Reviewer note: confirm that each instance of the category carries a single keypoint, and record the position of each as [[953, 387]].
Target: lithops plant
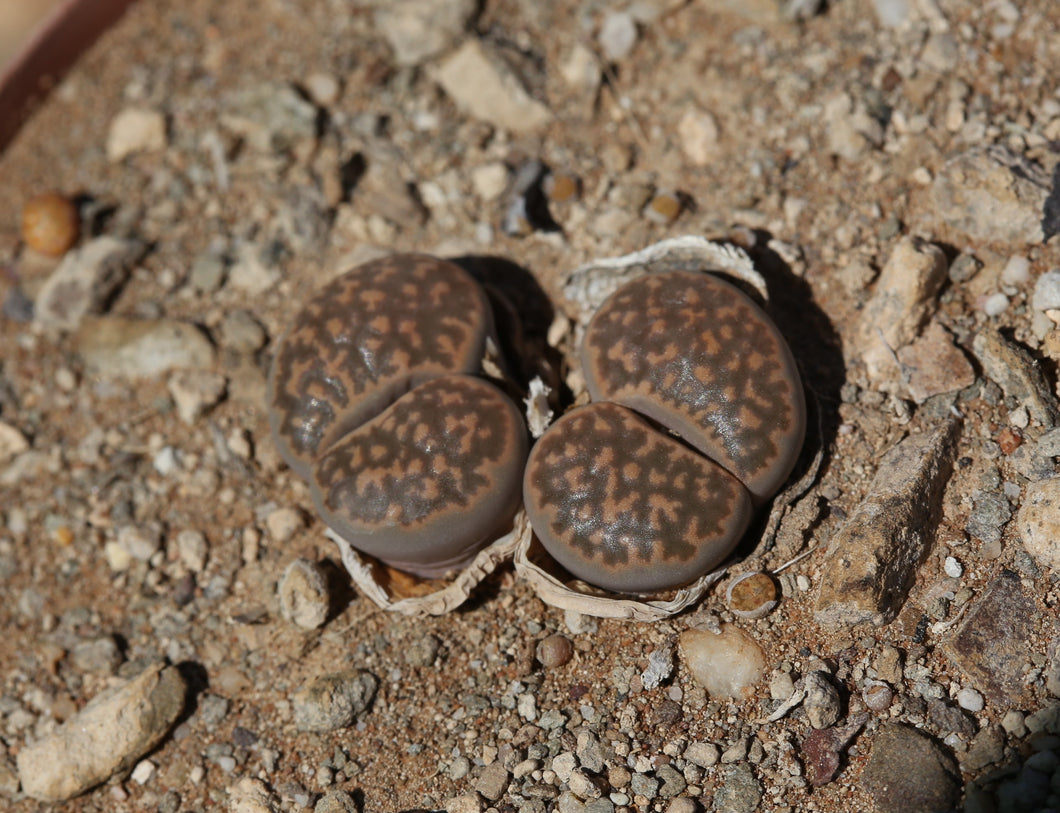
[[374, 399], [698, 418]]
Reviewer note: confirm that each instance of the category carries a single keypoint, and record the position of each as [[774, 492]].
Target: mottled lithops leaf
[[366, 338], [626, 507], [431, 479], [700, 357]]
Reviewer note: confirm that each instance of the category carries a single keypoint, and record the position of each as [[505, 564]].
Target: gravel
[[146, 518]]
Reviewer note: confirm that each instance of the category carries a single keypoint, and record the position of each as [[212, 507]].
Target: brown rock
[[823, 747], [871, 563], [933, 364], [992, 642], [1011, 367], [908, 772], [988, 194], [902, 303], [107, 736]]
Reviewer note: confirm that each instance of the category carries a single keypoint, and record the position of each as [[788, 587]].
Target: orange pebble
[[50, 224]]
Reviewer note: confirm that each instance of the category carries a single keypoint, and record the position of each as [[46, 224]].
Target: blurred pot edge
[[63, 36]]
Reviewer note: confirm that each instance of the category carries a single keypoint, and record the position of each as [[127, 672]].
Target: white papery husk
[[454, 590], [586, 288]]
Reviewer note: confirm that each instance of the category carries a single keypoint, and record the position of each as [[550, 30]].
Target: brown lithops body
[[696, 354], [364, 339], [424, 484], [408, 457], [622, 504], [626, 507]]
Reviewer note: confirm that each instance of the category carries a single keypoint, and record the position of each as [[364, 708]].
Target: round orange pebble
[[50, 224]]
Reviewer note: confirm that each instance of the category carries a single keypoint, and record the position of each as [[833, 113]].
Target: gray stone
[[582, 785], [644, 785], [336, 801], [107, 736], [1039, 522], [703, 754], [618, 35], [417, 30], [493, 781], [241, 332], [891, 13], [673, 783], [252, 272], [101, 656], [465, 803], [660, 667], [993, 641], [1047, 291], [904, 299], [480, 84], [948, 719], [304, 597], [908, 771], [987, 748], [989, 514], [194, 392], [739, 791], [121, 347], [822, 704], [333, 701], [250, 795], [270, 117], [84, 282], [1012, 367], [988, 195], [422, 651], [871, 563], [207, 273]]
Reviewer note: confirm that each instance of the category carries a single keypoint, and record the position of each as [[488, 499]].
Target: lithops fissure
[[696, 354], [621, 503], [424, 484], [626, 507], [409, 458], [364, 339]]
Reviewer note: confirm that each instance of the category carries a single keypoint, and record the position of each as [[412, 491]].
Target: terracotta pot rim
[[66, 33]]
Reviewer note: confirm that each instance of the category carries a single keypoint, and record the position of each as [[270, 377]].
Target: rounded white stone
[[970, 700], [953, 568]]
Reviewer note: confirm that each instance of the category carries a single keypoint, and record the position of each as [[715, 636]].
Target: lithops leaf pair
[[697, 419], [375, 400]]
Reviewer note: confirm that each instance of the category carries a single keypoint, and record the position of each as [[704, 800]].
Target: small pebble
[[336, 801], [953, 568], [283, 523], [970, 700], [135, 130], [333, 701], [143, 772], [323, 88], [554, 651], [422, 651], [1016, 271], [304, 597], [561, 187], [878, 696], [752, 595], [995, 304], [664, 207], [618, 35], [50, 224]]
